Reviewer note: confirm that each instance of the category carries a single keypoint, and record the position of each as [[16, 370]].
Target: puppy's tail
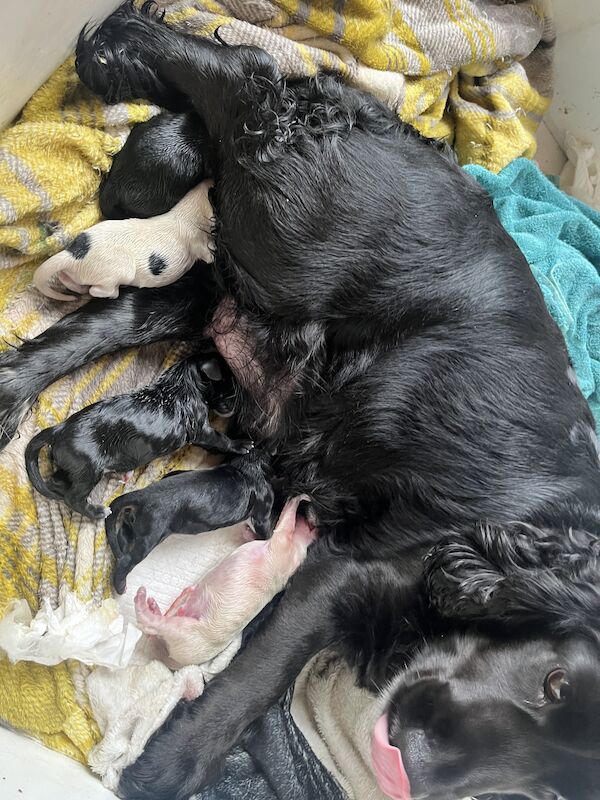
[[32, 454], [48, 270]]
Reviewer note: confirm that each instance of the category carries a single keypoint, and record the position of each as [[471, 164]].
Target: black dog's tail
[[32, 454]]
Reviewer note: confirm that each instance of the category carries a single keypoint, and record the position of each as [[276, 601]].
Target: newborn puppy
[[125, 432], [188, 502], [160, 162], [133, 252], [206, 617]]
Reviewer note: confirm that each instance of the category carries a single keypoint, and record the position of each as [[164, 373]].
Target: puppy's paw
[[97, 512], [242, 446]]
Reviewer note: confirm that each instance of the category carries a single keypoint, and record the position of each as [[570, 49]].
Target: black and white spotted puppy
[[133, 252], [122, 433]]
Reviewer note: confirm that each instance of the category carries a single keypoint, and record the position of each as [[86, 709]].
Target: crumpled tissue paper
[[94, 635]]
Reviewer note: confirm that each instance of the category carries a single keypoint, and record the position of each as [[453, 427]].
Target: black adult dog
[[392, 345]]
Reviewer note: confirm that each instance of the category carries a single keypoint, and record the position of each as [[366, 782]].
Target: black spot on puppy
[[80, 246], [156, 264]]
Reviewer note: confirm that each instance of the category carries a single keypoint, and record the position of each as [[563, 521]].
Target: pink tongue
[[387, 764]]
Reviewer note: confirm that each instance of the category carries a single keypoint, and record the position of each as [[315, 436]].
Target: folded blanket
[[560, 237], [474, 73]]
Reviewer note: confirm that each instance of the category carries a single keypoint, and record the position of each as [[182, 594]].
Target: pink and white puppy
[[205, 618], [133, 252]]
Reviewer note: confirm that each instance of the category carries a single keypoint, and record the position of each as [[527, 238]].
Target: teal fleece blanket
[[560, 238]]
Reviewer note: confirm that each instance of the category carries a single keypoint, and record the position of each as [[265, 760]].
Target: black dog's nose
[[425, 705]]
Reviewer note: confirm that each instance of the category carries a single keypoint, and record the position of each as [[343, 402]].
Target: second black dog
[[125, 432], [188, 502]]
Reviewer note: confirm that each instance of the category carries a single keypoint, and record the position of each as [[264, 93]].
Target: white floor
[[29, 771]]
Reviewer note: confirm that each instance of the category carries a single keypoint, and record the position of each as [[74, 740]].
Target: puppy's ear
[[518, 575], [212, 369]]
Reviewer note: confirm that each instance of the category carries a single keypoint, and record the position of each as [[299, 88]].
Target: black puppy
[[188, 502], [125, 432], [171, 153]]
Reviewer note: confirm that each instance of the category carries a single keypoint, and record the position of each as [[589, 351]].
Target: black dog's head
[[513, 709], [474, 715]]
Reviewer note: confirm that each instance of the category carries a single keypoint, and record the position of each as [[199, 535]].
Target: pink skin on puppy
[[205, 618]]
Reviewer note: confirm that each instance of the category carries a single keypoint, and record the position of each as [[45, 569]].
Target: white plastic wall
[[576, 105], [35, 37], [29, 771]]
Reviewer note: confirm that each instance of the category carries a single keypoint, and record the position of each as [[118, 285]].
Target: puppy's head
[[159, 163], [221, 390]]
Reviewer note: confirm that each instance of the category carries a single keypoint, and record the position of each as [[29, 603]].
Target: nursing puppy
[[207, 616], [188, 502], [133, 252], [171, 153], [123, 433]]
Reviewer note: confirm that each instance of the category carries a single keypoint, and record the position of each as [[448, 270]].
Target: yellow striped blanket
[[473, 72]]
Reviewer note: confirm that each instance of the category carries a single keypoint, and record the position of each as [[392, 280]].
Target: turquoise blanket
[[560, 238]]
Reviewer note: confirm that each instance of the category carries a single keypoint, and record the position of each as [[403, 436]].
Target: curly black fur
[[519, 575], [395, 352]]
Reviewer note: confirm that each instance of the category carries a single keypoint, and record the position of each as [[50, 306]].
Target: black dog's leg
[[79, 502], [134, 55], [137, 317], [187, 750]]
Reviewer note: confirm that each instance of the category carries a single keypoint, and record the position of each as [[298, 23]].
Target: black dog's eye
[[556, 686]]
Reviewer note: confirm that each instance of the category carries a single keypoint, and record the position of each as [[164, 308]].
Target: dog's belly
[[229, 331], [235, 341]]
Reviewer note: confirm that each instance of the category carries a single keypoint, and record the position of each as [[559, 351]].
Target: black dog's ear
[[518, 575]]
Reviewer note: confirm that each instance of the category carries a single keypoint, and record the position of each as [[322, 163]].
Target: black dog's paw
[[117, 60], [172, 767], [16, 396]]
